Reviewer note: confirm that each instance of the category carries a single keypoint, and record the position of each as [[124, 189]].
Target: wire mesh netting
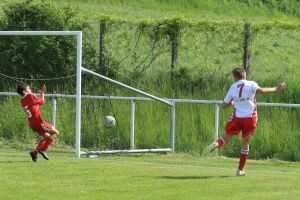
[[275, 52]]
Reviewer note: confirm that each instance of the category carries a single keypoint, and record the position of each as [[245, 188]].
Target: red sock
[[220, 142], [243, 158], [40, 146], [49, 141]]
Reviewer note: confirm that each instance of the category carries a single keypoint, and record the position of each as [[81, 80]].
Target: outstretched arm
[[42, 95], [280, 86], [227, 101], [226, 105]]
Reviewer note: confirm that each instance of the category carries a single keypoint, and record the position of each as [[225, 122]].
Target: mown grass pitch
[[172, 176]]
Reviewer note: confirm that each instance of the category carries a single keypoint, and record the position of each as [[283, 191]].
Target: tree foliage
[[40, 56]]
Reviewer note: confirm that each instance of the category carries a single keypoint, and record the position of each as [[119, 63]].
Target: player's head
[[239, 73], [23, 89]]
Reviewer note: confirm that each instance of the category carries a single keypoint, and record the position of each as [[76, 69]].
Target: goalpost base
[[127, 151]]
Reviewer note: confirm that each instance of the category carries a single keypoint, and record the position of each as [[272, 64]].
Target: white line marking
[[164, 165], [15, 154], [198, 166]]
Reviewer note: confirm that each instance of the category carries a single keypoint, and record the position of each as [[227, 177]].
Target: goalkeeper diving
[[30, 103]]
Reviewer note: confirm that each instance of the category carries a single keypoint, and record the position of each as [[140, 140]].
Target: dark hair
[[239, 73], [21, 88]]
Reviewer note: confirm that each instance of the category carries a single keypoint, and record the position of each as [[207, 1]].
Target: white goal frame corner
[[78, 35]]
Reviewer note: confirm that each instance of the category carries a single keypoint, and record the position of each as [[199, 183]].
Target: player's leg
[[42, 143], [249, 126], [53, 134], [233, 127], [36, 127], [243, 155], [225, 139], [40, 146], [51, 139], [217, 144], [49, 133]]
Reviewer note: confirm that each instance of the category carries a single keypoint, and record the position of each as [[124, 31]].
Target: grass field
[[172, 176]]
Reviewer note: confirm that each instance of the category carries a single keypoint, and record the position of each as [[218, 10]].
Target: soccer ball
[[109, 121]]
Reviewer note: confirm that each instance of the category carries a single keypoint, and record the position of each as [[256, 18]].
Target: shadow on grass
[[190, 177]]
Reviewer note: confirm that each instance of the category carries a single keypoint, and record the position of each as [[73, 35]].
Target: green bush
[[41, 56]]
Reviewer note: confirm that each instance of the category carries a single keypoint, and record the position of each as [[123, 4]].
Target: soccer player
[[242, 95], [31, 104]]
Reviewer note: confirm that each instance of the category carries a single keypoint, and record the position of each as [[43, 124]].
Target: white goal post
[[79, 71], [78, 35]]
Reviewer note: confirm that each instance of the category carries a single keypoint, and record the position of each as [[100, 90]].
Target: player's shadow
[[190, 177]]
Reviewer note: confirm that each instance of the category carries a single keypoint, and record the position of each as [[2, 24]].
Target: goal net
[[78, 100]]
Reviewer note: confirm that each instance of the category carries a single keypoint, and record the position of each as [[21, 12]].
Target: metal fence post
[[102, 49], [174, 52], [217, 113], [246, 56], [54, 111], [172, 127], [132, 111]]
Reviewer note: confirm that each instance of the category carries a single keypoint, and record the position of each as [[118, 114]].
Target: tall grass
[[277, 134], [194, 9]]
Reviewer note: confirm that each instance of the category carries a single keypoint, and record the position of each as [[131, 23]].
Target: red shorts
[[42, 128], [236, 125]]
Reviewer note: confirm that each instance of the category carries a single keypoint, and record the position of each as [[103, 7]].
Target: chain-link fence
[[198, 55], [196, 62]]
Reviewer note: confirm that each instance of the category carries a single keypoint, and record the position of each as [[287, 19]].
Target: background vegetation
[[254, 10], [138, 52]]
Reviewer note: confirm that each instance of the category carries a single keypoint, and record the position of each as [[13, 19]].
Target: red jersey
[[30, 104]]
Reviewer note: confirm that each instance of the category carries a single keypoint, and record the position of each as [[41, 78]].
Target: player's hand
[[280, 86], [43, 90]]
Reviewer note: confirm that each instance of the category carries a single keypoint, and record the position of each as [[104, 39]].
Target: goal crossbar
[[29, 33]]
